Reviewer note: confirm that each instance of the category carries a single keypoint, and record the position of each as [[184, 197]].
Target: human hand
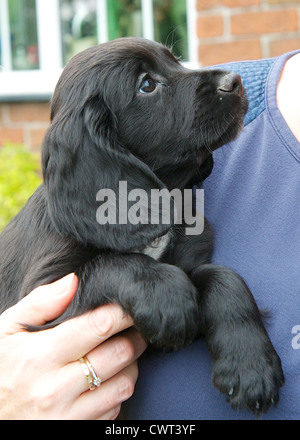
[[40, 375]]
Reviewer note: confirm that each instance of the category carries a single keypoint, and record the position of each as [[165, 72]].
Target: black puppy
[[128, 111]]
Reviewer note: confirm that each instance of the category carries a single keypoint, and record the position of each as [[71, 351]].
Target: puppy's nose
[[231, 83]]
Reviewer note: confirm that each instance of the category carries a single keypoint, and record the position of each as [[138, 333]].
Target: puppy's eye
[[148, 85]]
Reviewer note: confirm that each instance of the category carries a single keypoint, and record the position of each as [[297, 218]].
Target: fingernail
[[65, 283]]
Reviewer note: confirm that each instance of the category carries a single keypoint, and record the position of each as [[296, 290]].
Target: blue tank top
[[252, 200]]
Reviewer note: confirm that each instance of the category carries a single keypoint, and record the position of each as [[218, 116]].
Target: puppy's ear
[[83, 165]]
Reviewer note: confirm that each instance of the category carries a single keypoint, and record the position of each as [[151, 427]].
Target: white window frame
[[39, 84]]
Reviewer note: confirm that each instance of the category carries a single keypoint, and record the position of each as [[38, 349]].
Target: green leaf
[[20, 175]]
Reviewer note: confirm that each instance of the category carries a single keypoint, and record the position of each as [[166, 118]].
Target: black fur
[[104, 130]]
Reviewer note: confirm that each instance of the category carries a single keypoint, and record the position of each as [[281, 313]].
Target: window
[[79, 27], [38, 37], [162, 20], [23, 34], [19, 35], [170, 25], [124, 18]]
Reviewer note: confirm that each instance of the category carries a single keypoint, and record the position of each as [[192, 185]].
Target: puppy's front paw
[[250, 375], [167, 316]]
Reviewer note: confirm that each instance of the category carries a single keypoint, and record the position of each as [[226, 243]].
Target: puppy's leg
[[245, 365], [159, 297]]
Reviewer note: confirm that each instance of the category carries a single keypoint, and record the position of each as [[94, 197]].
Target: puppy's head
[[128, 111]]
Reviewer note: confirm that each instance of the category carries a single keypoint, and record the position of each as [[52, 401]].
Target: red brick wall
[[227, 30], [24, 123], [230, 30]]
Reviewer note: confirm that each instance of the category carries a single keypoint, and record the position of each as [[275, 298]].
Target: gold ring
[[92, 379]]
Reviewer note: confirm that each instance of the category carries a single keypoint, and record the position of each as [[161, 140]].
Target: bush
[[20, 175]]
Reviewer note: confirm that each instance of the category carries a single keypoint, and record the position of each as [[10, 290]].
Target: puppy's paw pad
[[252, 384]]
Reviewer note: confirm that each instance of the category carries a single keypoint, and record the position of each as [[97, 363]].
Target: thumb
[[41, 305]]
